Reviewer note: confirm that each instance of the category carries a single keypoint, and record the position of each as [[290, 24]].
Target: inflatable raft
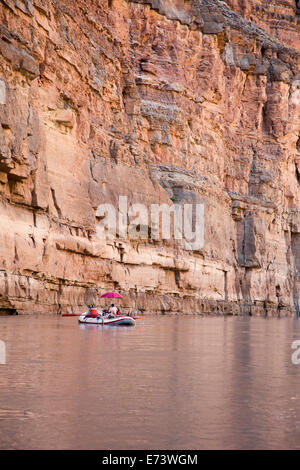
[[105, 320]]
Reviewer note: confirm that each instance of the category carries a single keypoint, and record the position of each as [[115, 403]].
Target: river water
[[170, 382]]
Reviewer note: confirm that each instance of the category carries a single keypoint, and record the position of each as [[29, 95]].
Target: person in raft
[[113, 310]]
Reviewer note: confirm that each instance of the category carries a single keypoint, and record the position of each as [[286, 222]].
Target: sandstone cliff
[[159, 101]]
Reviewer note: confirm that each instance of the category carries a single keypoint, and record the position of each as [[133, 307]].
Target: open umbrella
[[111, 295]]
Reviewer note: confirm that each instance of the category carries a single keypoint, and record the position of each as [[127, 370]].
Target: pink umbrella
[[111, 295]]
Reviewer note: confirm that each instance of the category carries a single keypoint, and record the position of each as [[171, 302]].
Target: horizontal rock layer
[[162, 102]]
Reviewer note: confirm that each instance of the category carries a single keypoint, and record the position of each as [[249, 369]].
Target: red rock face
[[159, 101], [279, 18]]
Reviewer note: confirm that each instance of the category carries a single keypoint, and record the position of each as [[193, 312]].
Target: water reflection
[[170, 382]]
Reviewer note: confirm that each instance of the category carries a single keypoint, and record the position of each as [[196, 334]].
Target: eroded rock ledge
[[159, 101]]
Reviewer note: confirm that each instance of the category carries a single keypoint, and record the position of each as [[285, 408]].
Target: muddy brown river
[[182, 382]]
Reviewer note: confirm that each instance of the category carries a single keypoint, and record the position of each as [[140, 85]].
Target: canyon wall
[[162, 102], [278, 18]]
